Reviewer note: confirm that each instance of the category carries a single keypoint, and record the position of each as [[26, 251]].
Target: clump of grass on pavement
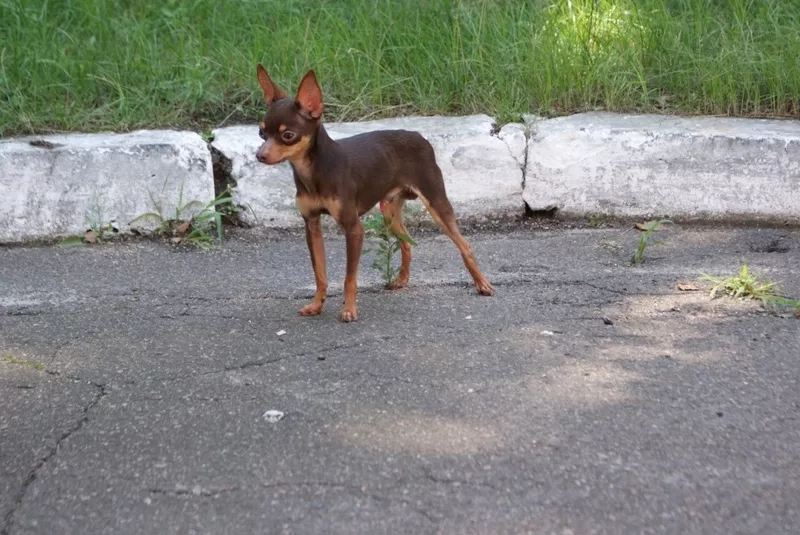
[[746, 285]]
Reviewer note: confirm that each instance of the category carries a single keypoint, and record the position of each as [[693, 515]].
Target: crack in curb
[[528, 136], [523, 166], [8, 521]]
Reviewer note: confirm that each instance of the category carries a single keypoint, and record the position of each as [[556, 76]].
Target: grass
[[386, 246], [644, 239], [192, 222], [119, 64], [11, 359], [98, 228], [746, 285]]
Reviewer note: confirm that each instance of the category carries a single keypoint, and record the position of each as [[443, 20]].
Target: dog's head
[[290, 124]]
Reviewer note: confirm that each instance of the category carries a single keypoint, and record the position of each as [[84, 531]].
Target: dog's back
[[386, 159]]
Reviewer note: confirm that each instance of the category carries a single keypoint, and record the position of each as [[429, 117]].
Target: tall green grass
[[97, 64]]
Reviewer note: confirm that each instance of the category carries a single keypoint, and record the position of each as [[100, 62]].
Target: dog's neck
[[305, 167]]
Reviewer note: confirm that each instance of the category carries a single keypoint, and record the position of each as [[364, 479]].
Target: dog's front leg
[[316, 246], [354, 237]]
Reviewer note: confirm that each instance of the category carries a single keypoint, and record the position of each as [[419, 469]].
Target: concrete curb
[[62, 185], [700, 168], [593, 163]]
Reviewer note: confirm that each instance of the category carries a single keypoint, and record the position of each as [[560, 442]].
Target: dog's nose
[[261, 157]]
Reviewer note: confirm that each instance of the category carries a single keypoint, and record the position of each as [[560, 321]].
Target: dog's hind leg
[[431, 192], [393, 214]]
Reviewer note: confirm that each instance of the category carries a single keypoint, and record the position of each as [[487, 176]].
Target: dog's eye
[[288, 136], [261, 133]]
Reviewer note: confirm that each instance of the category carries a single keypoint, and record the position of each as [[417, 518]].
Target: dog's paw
[[485, 288], [348, 315], [314, 309], [399, 282]]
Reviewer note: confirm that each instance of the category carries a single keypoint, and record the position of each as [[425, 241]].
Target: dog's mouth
[[267, 161]]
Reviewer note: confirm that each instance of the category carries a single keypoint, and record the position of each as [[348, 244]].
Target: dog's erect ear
[[309, 95], [271, 91]]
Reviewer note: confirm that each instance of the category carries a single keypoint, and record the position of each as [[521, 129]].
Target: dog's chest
[[314, 205]]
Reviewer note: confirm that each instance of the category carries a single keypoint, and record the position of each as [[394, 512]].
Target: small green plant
[[166, 222], [10, 359], [95, 220], [783, 303], [745, 285], [375, 228], [98, 228], [198, 229], [71, 241], [647, 231]]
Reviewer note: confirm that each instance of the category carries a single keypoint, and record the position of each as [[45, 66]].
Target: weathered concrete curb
[[482, 172], [58, 185], [651, 165], [592, 163]]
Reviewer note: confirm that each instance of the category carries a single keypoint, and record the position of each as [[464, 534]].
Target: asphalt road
[[586, 396]]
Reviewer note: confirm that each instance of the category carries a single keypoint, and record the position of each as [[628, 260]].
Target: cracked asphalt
[[586, 396]]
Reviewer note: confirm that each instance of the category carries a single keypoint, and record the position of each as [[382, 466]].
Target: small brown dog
[[347, 178]]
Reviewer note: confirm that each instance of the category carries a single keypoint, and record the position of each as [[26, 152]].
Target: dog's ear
[[309, 95], [271, 91]]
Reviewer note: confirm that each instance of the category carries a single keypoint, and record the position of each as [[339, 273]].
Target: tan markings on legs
[[444, 217], [316, 247], [394, 218], [354, 238]]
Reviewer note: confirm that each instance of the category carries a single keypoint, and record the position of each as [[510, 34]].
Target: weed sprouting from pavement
[[376, 228], [746, 285], [202, 229], [98, 230], [647, 232], [781, 302]]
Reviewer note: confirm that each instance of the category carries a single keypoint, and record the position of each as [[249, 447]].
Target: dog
[[348, 177]]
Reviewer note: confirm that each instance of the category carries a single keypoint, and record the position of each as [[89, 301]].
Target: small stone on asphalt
[[273, 416]]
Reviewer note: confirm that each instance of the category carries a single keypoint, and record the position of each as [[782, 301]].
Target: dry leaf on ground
[[182, 229], [687, 287]]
